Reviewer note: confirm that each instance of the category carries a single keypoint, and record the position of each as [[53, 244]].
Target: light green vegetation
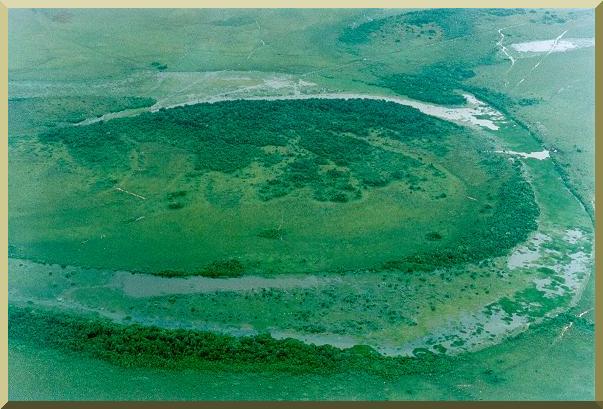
[[343, 249]]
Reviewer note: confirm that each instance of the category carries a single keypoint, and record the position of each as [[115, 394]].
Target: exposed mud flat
[[524, 255], [494, 323], [336, 340], [468, 332], [573, 236], [546, 46], [542, 155]]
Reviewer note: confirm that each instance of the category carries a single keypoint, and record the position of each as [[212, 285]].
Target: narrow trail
[[259, 46], [504, 49], [131, 193], [555, 42], [541, 60]]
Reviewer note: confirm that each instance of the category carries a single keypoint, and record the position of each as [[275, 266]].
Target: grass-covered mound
[[266, 187]]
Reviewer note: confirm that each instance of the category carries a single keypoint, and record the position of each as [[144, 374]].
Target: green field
[[305, 204], [267, 188]]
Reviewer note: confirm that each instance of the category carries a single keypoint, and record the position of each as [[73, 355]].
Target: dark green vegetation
[[321, 146], [136, 346], [41, 113], [252, 170], [549, 17], [152, 347], [514, 218], [157, 65], [441, 83], [505, 371], [446, 23], [475, 33], [222, 268], [438, 83]]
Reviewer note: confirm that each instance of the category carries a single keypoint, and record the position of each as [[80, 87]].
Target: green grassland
[[267, 187], [299, 249], [30, 116]]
